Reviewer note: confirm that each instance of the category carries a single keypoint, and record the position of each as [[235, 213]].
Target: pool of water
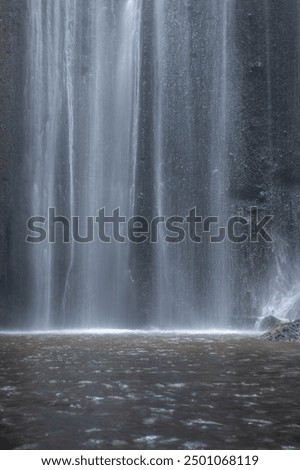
[[148, 391]]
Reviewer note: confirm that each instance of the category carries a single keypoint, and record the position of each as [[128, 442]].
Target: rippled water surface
[[148, 391]]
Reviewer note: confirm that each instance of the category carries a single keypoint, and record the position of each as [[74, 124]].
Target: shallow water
[[148, 391]]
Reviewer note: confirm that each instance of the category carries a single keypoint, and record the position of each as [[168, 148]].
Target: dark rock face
[[11, 83], [286, 332], [270, 322], [265, 169]]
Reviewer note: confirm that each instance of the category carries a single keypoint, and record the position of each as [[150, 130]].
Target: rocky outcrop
[[269, 322], [286, 332]]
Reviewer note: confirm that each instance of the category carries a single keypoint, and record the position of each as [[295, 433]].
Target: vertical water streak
[[178, 158], [161, 290], [43, 109], [220, 120], [70, 18], [137, 7], [92, 185]]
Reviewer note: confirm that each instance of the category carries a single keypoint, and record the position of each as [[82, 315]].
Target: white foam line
[[124, 332]]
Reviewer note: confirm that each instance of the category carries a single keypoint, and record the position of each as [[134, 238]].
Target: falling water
[[172, 153], [69, 70], [176, 285], [192, 284], [43, 104], [83, 103], [220, 125]]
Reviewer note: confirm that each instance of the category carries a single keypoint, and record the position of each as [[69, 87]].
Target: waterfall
[[191, 115], [168, 108], [44, 107], [220, 126], [86, 123], [82, 107], [175, 283], [68, 72]]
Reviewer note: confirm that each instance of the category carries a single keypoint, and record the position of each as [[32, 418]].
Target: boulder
[[286, 332], [270, 322]]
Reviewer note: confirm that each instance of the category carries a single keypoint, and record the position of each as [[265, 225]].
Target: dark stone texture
[[265, 164], [286, 332], [11, 84]]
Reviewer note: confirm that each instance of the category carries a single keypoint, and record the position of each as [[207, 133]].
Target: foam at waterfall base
[[124, 332]]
